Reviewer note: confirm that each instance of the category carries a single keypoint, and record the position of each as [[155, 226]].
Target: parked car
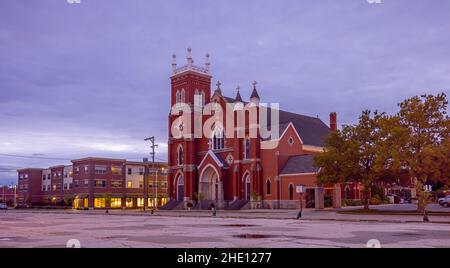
[[3, 206], [445, 201]]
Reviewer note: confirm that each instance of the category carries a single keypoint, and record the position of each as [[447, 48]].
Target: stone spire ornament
[[207, 63], [238, 97], [190, 61], [174, 62]]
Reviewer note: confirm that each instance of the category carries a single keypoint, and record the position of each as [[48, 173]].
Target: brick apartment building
[[8, 195], [94, 183]]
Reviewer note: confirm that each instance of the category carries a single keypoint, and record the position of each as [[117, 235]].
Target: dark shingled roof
[[238, 97], [312, 130], [299, 164], [254, 94]]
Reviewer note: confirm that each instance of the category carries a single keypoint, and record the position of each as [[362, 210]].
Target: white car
[[3, 206], [445, 201]]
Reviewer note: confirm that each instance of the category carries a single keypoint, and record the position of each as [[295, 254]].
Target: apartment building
[[94, 182]]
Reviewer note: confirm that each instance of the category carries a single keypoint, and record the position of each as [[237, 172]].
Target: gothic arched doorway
[[180, 187], [247, 186], [210, 184]]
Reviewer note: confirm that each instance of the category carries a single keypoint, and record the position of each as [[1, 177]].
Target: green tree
[[424, 148], [68, 199], [353, 154]]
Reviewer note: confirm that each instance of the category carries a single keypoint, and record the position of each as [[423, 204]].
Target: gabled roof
[[216, 157], [311, 130], [299, 164], [254, 94]]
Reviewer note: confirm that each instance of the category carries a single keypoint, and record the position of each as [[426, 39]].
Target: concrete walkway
[[308, 214]]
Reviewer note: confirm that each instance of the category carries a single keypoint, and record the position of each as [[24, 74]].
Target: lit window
[[116, 202], [140, 202], [100, 183], [129, 184], [129, 202], [116, 184], [99, 203], [116, 170]]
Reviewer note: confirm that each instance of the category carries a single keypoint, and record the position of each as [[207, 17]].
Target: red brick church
[[243, 172]]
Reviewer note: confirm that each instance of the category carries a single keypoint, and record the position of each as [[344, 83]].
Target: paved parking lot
[[20, 229]]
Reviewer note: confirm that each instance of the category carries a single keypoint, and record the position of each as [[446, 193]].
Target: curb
[[235, 217]]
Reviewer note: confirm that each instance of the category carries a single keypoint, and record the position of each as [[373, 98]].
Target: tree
[[424, 148], [68, 199], [353, 154]]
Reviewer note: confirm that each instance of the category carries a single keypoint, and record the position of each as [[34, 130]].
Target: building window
[[99, 202], [86, 169], [247, 148], [140, 202], [100, 183], [129, 184], [129, 202], [116, 184], [268, 190], [141, 184], [86, 183], [218, 139], [116, 202], [180, 155], [65, 186], [291, 140], [65, 174], [177, 97], [100, 169], [26, 176], [54, 187], [48, 176], [141, 171], [199, 98], [77, 170], [291, 192], [129, 171], [48, 187], [183, 96], [43, 188], [116, 170]]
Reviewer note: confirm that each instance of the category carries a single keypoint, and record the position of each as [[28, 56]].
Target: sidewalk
[[308, 214]]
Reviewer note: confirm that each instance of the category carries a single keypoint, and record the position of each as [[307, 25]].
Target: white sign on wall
[[300, 189]]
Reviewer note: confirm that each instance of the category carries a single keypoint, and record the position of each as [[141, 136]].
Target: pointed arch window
[[268, 185], [199, 96], [247, 148], [180, 155], [183, 96], [178, 97], [218, 140]]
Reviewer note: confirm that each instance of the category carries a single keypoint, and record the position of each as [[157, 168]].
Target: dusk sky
[[92, 79]]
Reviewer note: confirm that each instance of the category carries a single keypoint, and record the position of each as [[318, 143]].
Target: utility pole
[[152, 153]]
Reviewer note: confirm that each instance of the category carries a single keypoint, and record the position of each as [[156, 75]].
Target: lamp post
[[300, 190]]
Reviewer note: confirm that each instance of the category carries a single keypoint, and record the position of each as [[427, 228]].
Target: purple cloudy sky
[[92, 79]]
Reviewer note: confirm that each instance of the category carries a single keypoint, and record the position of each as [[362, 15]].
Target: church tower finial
[[190, 61], [218, 90], [207, 63], [174, 62], [255, 96]]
